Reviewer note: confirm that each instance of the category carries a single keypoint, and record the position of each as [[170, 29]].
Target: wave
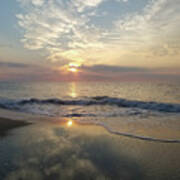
[[98, 100]]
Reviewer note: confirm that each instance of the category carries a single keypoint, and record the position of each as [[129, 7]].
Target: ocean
[[92, 130], [107, 103]]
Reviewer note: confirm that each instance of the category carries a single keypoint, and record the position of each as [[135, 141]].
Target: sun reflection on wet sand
[[69, 123], [65, 122]]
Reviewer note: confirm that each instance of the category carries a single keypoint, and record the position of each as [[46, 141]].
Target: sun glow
[[69, 123]]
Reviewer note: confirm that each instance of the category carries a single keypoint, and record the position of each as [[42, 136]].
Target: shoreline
[[7, 125]]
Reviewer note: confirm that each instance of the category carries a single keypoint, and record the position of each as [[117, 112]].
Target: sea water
[[92, 130], [117, 106]]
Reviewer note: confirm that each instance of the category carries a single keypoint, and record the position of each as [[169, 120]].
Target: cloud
[[13, 65], [82, 5], [122, 0], [112, 69], [25, 72], [156, 28], [57, 26], [31, 2], [64, 30], [10, 71]]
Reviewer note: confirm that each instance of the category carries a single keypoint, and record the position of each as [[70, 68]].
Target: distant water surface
[[144, 91]]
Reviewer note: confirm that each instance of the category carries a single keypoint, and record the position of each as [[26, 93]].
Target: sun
[[73, 67]]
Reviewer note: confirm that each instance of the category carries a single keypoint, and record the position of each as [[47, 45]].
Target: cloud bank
[[10, 71]]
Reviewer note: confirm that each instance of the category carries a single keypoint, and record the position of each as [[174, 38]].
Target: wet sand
[[58, 148], [7, 124]]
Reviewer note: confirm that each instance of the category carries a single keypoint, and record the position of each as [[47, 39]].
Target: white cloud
[[82, 5], [58, 29], [31, 2], [122, 0], [156, 27], [38, 2], [63, 29]]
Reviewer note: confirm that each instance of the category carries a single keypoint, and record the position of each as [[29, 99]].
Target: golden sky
[[135, 35]]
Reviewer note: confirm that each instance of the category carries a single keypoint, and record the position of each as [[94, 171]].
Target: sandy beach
[[58, 148], [7, 124]]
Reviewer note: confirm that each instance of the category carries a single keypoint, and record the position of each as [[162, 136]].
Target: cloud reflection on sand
[[58, 154]]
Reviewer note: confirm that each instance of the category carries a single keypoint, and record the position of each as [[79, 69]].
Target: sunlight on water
[[72, 90], [143, 91]]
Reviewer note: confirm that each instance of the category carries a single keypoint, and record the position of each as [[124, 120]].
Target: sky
[[101, 39]]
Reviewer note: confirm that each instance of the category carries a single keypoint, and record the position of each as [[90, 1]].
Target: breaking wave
[[98, 100], [82, 114]]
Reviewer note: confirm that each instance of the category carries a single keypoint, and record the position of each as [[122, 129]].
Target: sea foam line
[[144, 138]]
